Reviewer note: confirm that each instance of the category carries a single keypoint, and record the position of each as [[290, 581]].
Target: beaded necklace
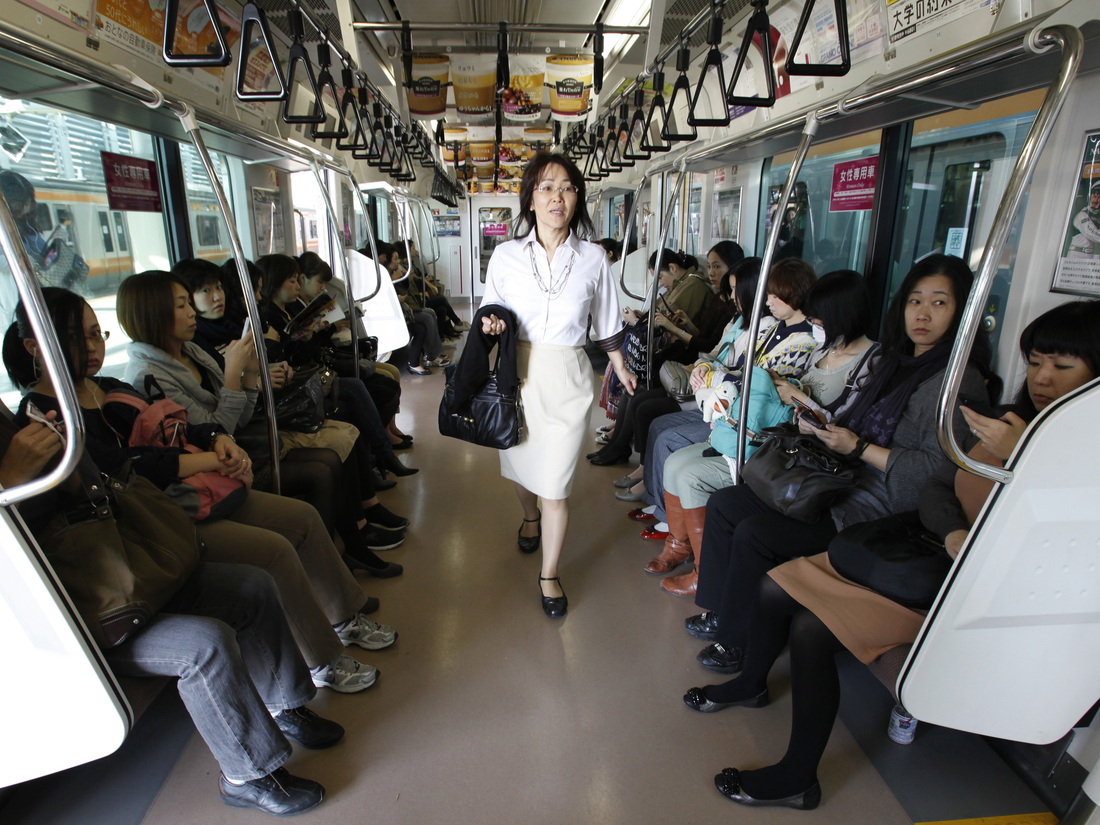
[[555, 288]]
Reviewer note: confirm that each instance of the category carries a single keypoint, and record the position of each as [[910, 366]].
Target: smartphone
[[668, 310], [979, 405]]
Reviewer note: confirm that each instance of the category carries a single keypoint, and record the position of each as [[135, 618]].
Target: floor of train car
[[489, 712]]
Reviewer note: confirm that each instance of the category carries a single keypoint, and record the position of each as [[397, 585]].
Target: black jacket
[[473, 367]]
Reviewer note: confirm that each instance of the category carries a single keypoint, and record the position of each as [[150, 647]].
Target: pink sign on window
[[854, 185], [131, 183], [496, 230]]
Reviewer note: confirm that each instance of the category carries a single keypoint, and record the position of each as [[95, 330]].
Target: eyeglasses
[[97, 336], [549, 189]]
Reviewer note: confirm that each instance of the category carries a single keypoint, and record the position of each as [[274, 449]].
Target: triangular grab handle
[[822, 69], [253, 16], [211, 59]]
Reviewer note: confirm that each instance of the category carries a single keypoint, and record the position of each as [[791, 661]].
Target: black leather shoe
[[600, 458], [279, 793], [368, 562], [696, 699], [370, 606], [554, 607], [404, 444], [717, 658], [393, 464], [703, 626], [728, 783], [529, 544], [308, 729], [382, 483]]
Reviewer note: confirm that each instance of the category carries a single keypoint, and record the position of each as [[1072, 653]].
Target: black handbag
[[894, 556], [303, 405], [489, 418], [797, 474]]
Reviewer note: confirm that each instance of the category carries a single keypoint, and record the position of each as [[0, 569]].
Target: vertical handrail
[[808, 133], [191, 126], [337, 236], [626, 240], [372, 242], [1072, 43], [655, 284], [402, 200], [53, 361]]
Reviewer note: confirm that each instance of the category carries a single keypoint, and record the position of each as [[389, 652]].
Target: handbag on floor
[[894, 556], [122, 553], [797, 474]]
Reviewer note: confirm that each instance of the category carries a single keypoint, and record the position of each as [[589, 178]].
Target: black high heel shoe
[[553, 606], [529, 544], [392, 463]]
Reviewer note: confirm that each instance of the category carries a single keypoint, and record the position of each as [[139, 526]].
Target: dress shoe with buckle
[[703, 626], [553, 606], [696, 699], [718, 658], [279, 793], [307, 728], [672, 555], [728, 783], [529, 544], [640, 514], [656, 531]]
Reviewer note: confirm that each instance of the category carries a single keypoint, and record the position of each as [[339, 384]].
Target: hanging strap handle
[[211, 59], [822, 69], [299, 55], [658, 105], [252, 16], [758, 24], [712, 65], [325, 80], [681, 86]]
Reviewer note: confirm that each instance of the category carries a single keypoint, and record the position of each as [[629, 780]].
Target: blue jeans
[[224, 635], [668, 434]]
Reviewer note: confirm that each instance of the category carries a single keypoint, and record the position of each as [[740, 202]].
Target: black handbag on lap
[[894, 556], [490, 418], [796, 474]]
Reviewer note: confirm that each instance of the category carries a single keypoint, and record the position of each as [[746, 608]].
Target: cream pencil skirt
[[556, 393]]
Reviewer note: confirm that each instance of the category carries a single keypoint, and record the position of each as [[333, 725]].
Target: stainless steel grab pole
[[191, 125], [808, 132], [626, 241], [337, 237], [1072, 44], [53, 362]]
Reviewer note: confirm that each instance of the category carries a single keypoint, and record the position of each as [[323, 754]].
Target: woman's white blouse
[[561, 320]]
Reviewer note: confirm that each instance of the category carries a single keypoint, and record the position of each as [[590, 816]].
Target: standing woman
[[553, 281]]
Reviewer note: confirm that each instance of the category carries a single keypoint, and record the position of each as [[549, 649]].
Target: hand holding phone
[[810, 415], [35, 414]]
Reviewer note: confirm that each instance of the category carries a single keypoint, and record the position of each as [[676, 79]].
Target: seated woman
[[686, 292], [889, 426], [283, 536], [226, 639], [837, 303], [155, 311], [807, 604], [424, 291], [425, 346]]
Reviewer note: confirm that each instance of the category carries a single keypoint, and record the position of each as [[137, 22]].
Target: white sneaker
[[368, 634], [345, 675], [605, 429]]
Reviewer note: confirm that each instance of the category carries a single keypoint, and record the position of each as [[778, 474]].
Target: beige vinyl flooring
[[488, 712]]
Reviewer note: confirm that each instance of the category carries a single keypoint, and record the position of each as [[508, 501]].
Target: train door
[[494, 226], [116, 268]]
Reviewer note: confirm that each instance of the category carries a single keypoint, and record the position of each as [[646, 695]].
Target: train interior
[[912, 127]]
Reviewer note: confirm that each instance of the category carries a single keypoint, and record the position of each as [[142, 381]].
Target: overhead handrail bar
[[626, 241], [49, 351], [761, 25], [177, 60], [492, 28], [712, 66], [808, 133], [680, 86], [1072, 44], [298, 55], [840, 9], [325, 80], [337, 239], [252, 16], [191, 126]]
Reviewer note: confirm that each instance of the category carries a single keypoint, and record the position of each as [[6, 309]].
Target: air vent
[[682, 12]]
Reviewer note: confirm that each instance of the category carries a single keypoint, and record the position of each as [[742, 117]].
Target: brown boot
[[676, 550], [686, 584]]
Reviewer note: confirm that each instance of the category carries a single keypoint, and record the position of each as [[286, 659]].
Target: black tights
[[815, 687]]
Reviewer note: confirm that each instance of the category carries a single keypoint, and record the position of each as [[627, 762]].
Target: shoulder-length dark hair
[[580, 223], [840, 301], [729, 252], [747, 273], [277, 270], [66, 311], [145, 307], [1069, 329]]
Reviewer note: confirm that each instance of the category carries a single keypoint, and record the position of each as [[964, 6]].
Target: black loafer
[[308, 729], [602, 459], [717, 658], [703, 626], [279, 793], [696, 699], [728, 783], [553, 606], [385, 570]]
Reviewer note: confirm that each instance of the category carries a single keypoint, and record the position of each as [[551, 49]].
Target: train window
[[827, 220], [309, 199], [726, 215], [694, 214], [209, 237]]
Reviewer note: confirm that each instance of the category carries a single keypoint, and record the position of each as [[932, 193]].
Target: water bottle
[[903, 727]]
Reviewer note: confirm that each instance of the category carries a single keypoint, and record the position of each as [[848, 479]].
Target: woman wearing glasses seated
[[553, 281]]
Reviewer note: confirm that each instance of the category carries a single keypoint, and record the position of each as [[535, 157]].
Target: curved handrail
[[191, 126], [808, 132], [1072, 43], [336, 235], [651, 293], [626, 242], [52, 360]]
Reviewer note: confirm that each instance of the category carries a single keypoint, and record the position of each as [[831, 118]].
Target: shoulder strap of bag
[[852, 376]]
